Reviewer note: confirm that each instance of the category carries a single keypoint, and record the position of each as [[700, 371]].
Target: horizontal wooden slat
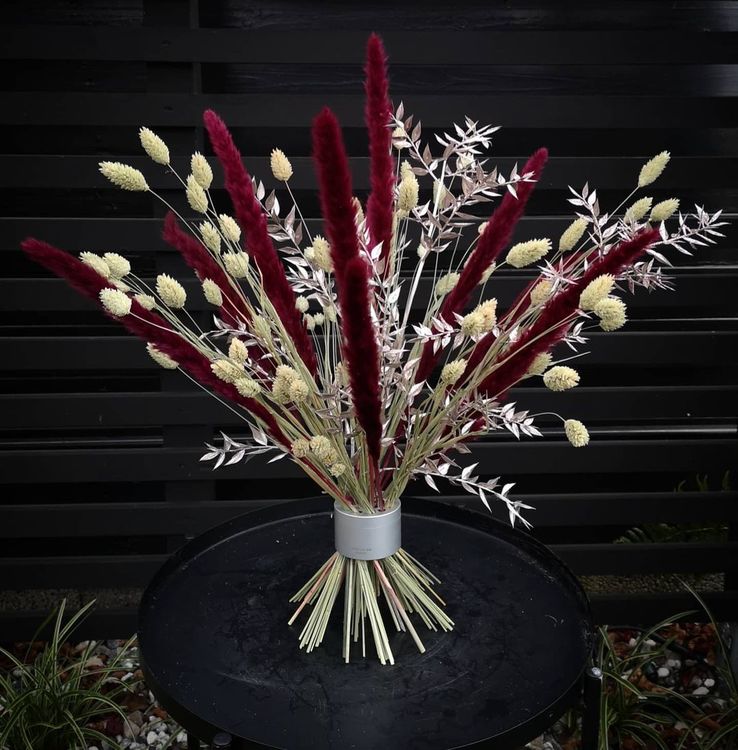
[[322, 46], [144, 235], [675, 348], [73, 410], [39, 466], [154, 518], [263, 110], [694, 288], [79, 172]]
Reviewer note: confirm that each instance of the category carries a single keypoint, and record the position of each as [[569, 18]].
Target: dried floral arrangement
[[316, 341]]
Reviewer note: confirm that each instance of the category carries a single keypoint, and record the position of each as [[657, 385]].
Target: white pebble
[[672, 662], [663, 672], [700, 691], [632, 642], [709, 682], [650, 643], [151, 738]]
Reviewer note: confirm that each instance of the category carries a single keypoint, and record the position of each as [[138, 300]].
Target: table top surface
[[219, 654]]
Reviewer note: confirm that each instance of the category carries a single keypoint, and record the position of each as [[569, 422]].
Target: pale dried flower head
[[299, 391], [540, 364], [283, 379], [653, 168], [212, 292], [302, 304], [201, 171], [226, 370], [96, 263], [319, 254], [330, 313], [261, 328], [300, 448], [453, 371], [612, 313], [398, 138], [237, 264], [238, 351], [488, 310], [248, 387], [638, 210], [487, 273], [118, 265], [309, 321], [121, 285], [405, 169], [446, 283], [662, 211], [482, 227], [541, 292], [337, 469], [196, 196], [358, 210], [123, 176], [154, 146], [115, 302], [576, 433], [229, 227], [319, 319], [422, 251], [472, 324], [280, 164], [323, 450], [572, 234], [525, 253], [210, 237], [146, 301], [161, 359], [172, 293], [342, 375], [561, 378], [407, 193], [596, 290]]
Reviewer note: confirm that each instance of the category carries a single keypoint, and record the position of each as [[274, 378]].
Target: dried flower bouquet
[[322, 345]]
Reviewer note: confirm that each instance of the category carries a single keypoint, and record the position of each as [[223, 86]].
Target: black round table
[[219, 656]]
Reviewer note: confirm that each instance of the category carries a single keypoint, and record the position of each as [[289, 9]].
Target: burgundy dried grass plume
[[555, 318], [495, 237], [254, 227], [145, 324], [377, 115], [359, 345]]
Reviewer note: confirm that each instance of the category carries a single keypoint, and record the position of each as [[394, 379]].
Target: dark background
[[99, 449]]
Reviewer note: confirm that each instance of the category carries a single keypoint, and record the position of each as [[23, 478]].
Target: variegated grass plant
[[375, 354]]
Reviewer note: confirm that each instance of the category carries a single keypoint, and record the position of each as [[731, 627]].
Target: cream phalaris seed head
[[302, 304], [576, 433], [115, 302], [247, 387], [154, 146], [322, 448], [637, 210], [319, 254], [540, 364], [261, 328], [280, 164], [238, 351], [309, 321], [319, 319], [118, 265], [212, 292], [541, 292], [453, 371], [300, 448], [662, 211], [491, 268], [210, 237], [653, 168], [596, 290], [407, 193], [124, 176], [612, 313], [237, 264], [96, 263], [226, 370], [446, 283], [202, 172], [172, 293], [229, 227], [196, 195], [161, 359], [561, 378], [146, 301], [525, 253], [572, 234]]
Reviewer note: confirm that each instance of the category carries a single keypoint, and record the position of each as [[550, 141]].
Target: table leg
[[591, 715]]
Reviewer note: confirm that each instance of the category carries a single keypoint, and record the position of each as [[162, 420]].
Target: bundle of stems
[[373, 355]]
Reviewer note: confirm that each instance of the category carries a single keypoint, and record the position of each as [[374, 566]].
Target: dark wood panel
[[688, 455], [409, 46], [509, 110]]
